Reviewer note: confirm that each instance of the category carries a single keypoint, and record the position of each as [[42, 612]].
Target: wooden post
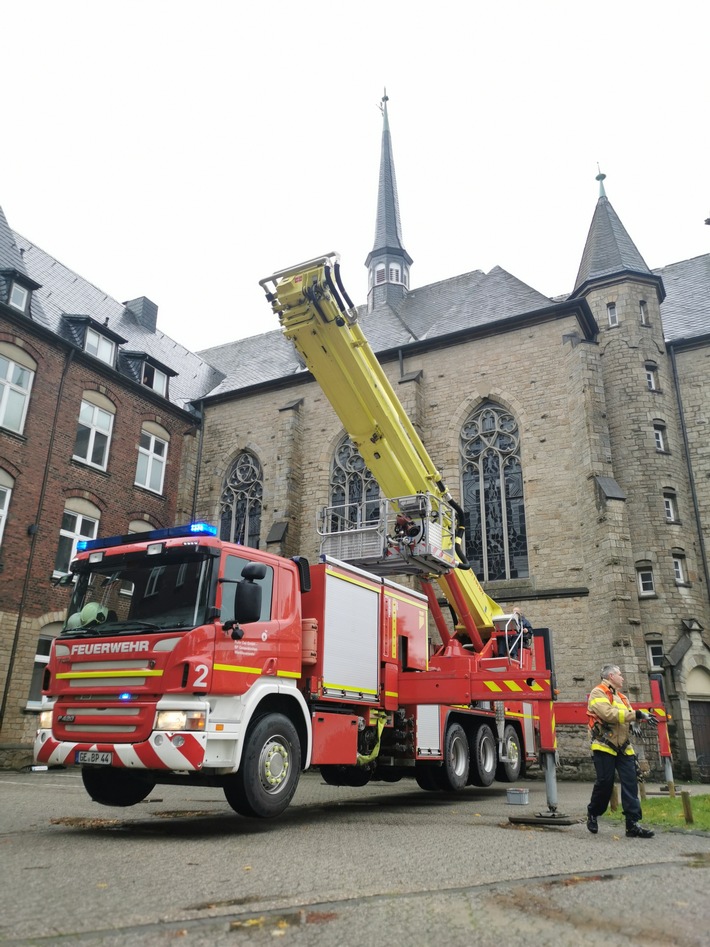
[[642, 789], [687, 808], [614, 801]]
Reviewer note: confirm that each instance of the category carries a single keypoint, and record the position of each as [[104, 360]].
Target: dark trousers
[[606, 765]]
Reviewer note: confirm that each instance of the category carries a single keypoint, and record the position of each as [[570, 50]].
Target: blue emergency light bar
[[154, 535]]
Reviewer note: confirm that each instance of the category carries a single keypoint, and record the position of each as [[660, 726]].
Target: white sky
[[184, 150]]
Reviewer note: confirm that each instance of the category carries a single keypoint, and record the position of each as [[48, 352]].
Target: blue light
[[154, 535], [125, 696]]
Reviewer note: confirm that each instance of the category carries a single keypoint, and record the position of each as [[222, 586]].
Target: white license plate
[[94, 757]]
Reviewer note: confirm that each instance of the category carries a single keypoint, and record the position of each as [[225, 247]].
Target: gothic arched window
[[492, 479], [354, 492], [240, 503]]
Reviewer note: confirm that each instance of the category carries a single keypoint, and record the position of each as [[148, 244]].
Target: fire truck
[[186, 659]]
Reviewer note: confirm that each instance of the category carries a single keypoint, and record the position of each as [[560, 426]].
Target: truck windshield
[[133, 594]]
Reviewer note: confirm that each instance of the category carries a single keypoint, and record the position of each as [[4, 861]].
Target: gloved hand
[[635, 729], [646, 717]]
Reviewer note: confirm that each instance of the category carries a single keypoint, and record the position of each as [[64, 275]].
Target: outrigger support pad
[[551, 816]]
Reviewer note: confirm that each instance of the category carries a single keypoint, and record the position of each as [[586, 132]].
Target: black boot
[[592, 823], [634, 830]]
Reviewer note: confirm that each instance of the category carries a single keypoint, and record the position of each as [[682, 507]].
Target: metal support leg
[[550, 782]]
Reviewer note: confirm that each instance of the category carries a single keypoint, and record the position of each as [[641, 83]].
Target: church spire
[[388, 262], [609, 251]]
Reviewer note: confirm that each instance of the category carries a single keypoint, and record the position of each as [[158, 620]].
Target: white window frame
[[94, 429], [154, 379], [656, 654], [151, 459], [7, 386], [659, 436], [380, 274], [16, 290], [42, 660], [680, 570], [671, 506], [645, 580], [652, 377], [395, 273], [100, 346], [612, 315], [5, 496], [643, 313], [82, 521]]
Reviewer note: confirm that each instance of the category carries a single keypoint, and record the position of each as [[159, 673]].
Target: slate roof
[[388, 225], [65, 292], [686, 309], [438, 309], [609, 249]]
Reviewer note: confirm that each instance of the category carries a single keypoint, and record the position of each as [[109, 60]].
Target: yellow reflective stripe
[[72, 675], [622, 713], [353, 580], [513, 686], [394, 694], [242, 669], [601, 700], [348, 687]]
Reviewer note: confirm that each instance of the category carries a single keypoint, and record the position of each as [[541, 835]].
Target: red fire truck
[[186, 659]]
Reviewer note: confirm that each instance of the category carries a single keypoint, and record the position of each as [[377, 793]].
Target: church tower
[[388, 262], [656, 558]]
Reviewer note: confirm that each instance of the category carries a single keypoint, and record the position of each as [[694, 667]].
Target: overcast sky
[[184, 150]]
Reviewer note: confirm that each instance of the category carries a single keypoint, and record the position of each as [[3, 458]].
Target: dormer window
[[19, 297], [153, 378], [100, 346]]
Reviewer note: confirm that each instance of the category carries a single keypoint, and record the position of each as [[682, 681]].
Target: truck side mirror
[[247, 595]]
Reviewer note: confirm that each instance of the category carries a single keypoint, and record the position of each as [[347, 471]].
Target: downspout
[[693, 493], [35, 534], [198, 462]]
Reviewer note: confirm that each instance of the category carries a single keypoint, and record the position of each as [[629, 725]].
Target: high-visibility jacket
[[610, 715]]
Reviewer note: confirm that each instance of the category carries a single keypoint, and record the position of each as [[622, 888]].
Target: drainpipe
[[198, 462], [35, 535], [693, 493]]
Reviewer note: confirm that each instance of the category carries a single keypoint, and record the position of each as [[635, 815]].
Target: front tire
[[484, 756], [510, 771], [268, 775], [116, 787]]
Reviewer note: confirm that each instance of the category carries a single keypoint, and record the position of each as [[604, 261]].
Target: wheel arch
[[283, 700]]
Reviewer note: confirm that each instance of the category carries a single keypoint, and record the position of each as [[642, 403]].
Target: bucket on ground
[[517, 797]]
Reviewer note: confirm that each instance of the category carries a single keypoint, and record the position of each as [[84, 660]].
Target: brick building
[[97, 436], [572, 430]]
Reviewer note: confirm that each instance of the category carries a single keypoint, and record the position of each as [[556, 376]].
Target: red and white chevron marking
[[189, 756]]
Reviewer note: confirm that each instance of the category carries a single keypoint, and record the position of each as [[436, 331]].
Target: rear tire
[[484, 756], [453, 775], [268, 774], [426, 776], [116, 787], [510, 771]]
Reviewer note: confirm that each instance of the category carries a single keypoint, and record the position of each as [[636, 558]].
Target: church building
[[585, 479]]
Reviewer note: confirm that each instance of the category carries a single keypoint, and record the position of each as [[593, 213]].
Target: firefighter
[[611, 720]]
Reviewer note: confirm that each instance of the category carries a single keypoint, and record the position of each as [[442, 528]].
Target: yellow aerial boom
[[424, 523]]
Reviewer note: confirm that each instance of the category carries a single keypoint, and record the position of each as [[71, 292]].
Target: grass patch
[[668, 812]]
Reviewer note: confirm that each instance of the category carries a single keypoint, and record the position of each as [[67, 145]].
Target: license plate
[[94, 757]]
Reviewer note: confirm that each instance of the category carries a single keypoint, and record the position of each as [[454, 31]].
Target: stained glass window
[[354, 492], [492, 476], [240, 503]]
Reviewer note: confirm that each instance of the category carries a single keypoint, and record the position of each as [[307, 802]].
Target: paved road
[[387, 864]]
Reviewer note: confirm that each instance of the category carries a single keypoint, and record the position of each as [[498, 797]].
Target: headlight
[[180, 720], [45, 720]]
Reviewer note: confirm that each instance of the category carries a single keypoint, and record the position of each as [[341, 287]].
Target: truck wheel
[[483, 756], [510, 771], [453, 775], [116, 787], [336, 774], [426, 776], [267, 777]]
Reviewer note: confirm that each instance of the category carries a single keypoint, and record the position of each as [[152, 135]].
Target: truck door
[[239, 661]]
